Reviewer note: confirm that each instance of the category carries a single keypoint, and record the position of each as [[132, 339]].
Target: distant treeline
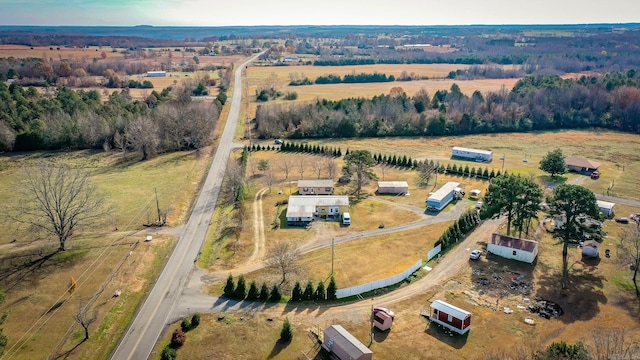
[[611, 101], [347, 79]]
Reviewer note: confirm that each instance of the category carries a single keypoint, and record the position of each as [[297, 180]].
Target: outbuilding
[[513, 248], [439, 199], [472, 154], [156, 73], [382, 320], [581, 165], [339, 342], [474, 194], [315, 187], [451, 317], [605, 207], [393, 187]]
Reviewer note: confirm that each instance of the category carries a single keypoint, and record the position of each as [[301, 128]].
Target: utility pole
[[157, 204], [502, 171]]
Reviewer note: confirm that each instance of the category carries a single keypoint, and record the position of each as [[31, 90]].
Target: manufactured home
[[341, 344], [472, 154], [513, 248], [302, 209], [451, 317], [605, 207], [581, 165], [156, 73], [439, 199], [315, 187], [393, 187]]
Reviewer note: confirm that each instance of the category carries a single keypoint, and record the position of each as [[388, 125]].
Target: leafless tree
[[253, 166], [331, 167], [629, 252], [120, 143], [285, 165], [57, 200], [383, 169], [269, 177], [425, 171], [283, 258], [85, 317], [142, 135], [236, 181], [301, 167], [317, 164], [611, 344]]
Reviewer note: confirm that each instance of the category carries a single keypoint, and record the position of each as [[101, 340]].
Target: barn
[[340, 343], [581, 165], [393, 187], [439, 199], [472, 154], [156, 73], [302, 209], [315, 187], [451, 317], [513, 248], [605, 207]]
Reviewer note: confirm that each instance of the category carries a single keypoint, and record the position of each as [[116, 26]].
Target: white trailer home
[[439, 199], [340, 343], [393, 187], [513, 248], [472, 154]]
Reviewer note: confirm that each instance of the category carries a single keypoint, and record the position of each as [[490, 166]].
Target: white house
[[472, 154], [393, 187], [513, 248], [156, 73], [605, 207], [439, 199], [339, 342]]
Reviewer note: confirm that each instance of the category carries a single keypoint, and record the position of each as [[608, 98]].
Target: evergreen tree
[[332, 289], [449, 170], [339, 152], [264, 292], [485, 174], [241, 288], [321, 293], [296, 294], [254, 292], [404, 161], [466, 170], [472, 173], [286, 334], [492, 175], [454, 169], [384, 159], [442, 169], [308, 292], [275, 294], [229, 287], [347, 152], [415, 164]]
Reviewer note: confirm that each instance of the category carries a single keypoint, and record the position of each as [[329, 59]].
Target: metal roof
[[514, 243], [445, 190], [315, 183], [345, 341], [605, 204], [393, 184], [447, 308], [305, 205], [581, 162], [476, 151]]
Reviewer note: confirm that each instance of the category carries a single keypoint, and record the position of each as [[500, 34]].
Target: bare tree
[[285, 165], [425, 171], [253, 165], [629, 252], [301, 167], [611, 344], [317, 164], [283, 258], [331, 167], [85, 317], [57, 200], [120, 143], [269, 177], [383, 169], [142, 135]]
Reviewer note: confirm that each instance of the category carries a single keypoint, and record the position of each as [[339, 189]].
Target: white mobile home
[[472, 154], [513, 248], [393, 187], [605, 207], [156, 73], [439, 199], [301, 209], [339, 342]]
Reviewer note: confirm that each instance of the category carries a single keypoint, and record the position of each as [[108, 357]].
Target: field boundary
[[359, 289]]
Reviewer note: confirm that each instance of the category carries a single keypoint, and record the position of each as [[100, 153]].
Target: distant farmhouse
[[156, 73], [302, 209], [513, 248], [472, 154], [315, 187], [581, 165]]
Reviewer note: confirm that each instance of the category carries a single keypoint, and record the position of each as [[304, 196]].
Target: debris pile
[[545, 308], [502, 283]]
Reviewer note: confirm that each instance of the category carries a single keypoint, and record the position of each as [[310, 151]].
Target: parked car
[[622, 220], [377, 309], [277, 142], [475, 255]]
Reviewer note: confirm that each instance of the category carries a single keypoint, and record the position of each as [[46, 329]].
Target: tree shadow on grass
[[24, 269], [581, 300], [452, 339], [66, 354], [277, 348]]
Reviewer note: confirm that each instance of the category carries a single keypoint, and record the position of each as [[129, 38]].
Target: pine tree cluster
[[459, 229]]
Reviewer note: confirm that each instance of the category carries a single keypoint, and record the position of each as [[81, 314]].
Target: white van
[[346, 219]]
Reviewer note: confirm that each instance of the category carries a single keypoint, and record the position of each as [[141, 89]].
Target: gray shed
[[343, 345]]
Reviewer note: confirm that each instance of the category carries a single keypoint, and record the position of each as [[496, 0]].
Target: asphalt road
[[138, 341]]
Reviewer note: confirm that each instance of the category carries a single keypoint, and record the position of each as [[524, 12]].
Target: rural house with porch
[[315, 187], [581, 165]]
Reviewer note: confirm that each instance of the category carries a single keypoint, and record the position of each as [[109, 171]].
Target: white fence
[[355, 290], [433, 252]]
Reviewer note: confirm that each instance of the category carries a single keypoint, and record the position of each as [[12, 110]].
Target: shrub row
[[239, 291], [317, 294]]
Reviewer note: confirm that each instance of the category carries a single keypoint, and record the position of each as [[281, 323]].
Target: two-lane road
[[151, 319]]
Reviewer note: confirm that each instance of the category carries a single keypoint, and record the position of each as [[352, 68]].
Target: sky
[[316, 12]]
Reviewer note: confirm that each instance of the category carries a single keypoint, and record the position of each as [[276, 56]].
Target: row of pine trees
[[233, 290]]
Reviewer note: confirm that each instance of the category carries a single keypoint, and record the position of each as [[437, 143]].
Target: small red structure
[[451, 317], [595, 175], [382, 320]]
